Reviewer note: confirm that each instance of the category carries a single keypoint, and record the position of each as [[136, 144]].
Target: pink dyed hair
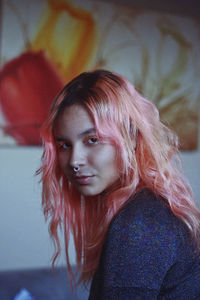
[[147, 156]]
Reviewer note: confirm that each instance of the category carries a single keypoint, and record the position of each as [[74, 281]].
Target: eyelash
[[93, 140], [63, 146]]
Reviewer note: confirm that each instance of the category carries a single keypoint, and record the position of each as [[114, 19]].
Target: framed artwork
[[44, 44]]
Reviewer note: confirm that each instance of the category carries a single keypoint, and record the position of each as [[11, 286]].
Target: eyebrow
[[82, 134]]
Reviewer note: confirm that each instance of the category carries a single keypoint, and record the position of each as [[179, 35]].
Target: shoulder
[[146, 208], [142, 240], [147, 204], [147, 217]]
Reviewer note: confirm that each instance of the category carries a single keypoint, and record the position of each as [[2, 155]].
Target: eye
[[92, 140], [64, 146]]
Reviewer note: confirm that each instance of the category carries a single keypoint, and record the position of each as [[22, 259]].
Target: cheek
[[106, 159], [63, 162]]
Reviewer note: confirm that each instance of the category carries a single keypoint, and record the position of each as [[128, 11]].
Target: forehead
[[72, 121]]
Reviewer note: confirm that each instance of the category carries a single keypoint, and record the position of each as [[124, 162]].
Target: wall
[[24, 235]]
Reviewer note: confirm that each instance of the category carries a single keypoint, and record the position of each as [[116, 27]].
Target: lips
[[84, 179]]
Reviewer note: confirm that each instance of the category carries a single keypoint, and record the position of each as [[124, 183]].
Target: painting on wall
[[44, 44]]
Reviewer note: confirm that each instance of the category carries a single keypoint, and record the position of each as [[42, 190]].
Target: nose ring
[[76, 169]]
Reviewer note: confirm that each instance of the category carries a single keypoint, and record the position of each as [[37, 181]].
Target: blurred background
[[43, 45]]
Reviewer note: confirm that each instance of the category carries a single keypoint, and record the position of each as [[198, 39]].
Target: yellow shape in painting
[[68, 38]]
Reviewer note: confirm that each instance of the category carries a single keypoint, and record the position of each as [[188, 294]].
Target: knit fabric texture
[[148, 254]]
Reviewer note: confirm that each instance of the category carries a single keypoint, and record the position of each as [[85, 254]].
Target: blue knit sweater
[[147, 254]]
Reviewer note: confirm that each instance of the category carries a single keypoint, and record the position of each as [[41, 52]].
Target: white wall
[[191, 167], [24, 235]]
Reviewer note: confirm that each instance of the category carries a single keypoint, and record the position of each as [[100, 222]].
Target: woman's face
[[78, 147]]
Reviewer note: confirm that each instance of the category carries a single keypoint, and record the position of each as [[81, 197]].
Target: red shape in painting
[[28, 85]]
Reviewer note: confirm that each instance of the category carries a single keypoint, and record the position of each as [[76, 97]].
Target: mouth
[[83, 179]]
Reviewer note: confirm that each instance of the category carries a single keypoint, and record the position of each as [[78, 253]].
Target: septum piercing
[[76, 169]]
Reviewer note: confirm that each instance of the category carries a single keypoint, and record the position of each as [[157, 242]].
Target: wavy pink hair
[[147, 156]]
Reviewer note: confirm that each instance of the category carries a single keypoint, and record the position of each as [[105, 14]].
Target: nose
[[77, 157]]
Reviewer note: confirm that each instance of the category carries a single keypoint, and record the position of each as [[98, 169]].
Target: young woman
[[111, 178]]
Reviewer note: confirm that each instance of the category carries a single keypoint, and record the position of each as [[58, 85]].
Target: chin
[[89, 192]]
